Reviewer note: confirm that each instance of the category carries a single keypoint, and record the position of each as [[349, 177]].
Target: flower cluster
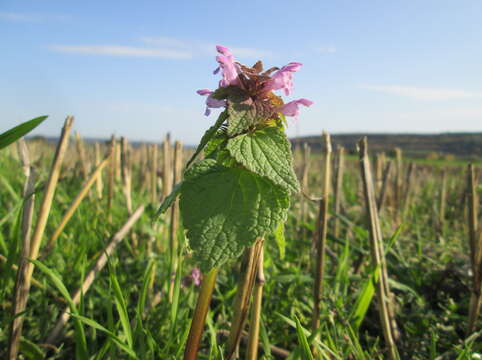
[[255, 84]]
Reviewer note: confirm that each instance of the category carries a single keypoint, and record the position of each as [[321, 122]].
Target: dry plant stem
[[111, 182], [81, 152], [89, 279], [143, 178], [21, 291], [253, 339], [167, 176], [75, 204], [154, 174], [321, 233], [200, 313], [443, 199], [475, 249], [383, 190], [338, 190], [398, 185], [99, 185], [25, 279], [126, 173], [407, 194], [118, 161], [304, 184], [380, 166], [173, 243], [376, 251], [243, 295]]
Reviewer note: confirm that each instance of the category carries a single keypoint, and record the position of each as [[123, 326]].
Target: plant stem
[[243, 294], [377, 252], [321, 233], [25, 279], [97, 268], [475, 249], [75, 204], [200, 313], [253, 340]]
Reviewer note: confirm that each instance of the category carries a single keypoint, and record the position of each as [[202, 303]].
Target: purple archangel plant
[[241, 190]]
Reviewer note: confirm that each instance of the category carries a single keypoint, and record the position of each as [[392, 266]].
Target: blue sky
[[132, 68]]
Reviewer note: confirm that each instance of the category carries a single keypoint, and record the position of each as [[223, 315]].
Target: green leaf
[[94, 324], [302, 339], [279, 237], [208, 135], [266, 152], [80, 339], [169, 200], [244, 115], [18, 131], [225, 209]]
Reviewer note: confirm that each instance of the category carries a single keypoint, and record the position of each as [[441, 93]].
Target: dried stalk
[[126, 173], [111, 182], [25, 278], [442, 200], [321, 234], [305, 183], [398, 185], [21, 291], [167, 175], [377, 250], [200, 313], [243, 294], [338, 189], [89, 279], [253, 339], [81, 151], [475, 249], [75, 204], [407, 193], [99, 185], [383, 190], [154, 160]]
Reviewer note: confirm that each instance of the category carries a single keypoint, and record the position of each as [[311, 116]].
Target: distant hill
[[462, 145]]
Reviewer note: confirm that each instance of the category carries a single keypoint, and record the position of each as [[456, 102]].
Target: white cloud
[[166, 41], [205, 48], [31, 17], [330, 49], [119, 50], [418, 93]]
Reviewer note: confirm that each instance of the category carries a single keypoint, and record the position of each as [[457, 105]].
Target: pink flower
[[283, 78], [228, 66], [196, 276], [292, 108], [211, 103]]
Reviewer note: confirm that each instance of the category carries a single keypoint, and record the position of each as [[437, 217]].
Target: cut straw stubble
[[378, 255], [89, 279], [24, 282], [75, 204]]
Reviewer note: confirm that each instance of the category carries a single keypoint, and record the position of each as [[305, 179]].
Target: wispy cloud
[[329, 49], [36, 18], [429, 94], [205, 48], [159, 47], [119, 50]]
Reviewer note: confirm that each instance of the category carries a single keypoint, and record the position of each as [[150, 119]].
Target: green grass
[[427, 265]]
